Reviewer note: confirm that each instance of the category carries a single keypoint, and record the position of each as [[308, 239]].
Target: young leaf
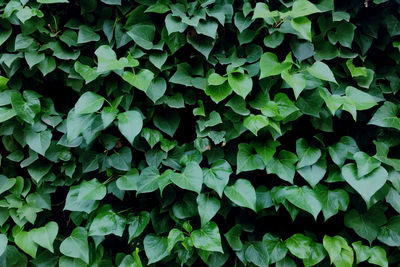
[[242, 193], [76, 245], [207, 238], [130, 124]]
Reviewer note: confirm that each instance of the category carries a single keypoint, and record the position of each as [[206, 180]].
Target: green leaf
[[217, 176], [207, 238], [137, 224], [270, 66], [365, 163], [141, 80], [45, 236], [257, 253], [321, 71], [296, 81], [389, 233], [303, 8], [242, 193], [299, 245], [303, 26], [254, 123], [86, 35], [142, 35], [362, 100], [174, 236], [107, 222], [190, 179], [305, 199], [25, 242], [39, 142], [168, 122], [240, 83], [386, 116], [307, 155], [155, 247], [130, 124], [22, 108], [331, 200], [89, 74], [233, 237], [76, 245], [247, 160], [52, 1], [218, 92], [107, 60], [3, 243], [6, 114], [339, 251], [207, 207], [88, 103], [91, 190], [366, 225], [70, 262], [342, 150], [283, 165], [366, 185]]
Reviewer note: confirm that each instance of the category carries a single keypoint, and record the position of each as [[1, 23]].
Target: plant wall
[[209, 132]]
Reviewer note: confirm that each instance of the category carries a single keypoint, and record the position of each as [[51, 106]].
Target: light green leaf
[[130, 124], [45, 236], [331, 200], [39, 142], [242, 193], [247, 160], [190, 179], [321, 71], [339, 251], [91, 190], [142, 35], [307, 155], [305, 199], [365, 163], [86, 35], [254, 123], [303, 8], [76, 245], [141, 80], [107, 60], [386, 116], [270, 66], [366, 185], [283, 165], [303, 26], [155, 247], [207, 238], [207, 207], [25, 242], [88, 103], [6, 114], [362, 100], [3, 243], [240, 83], [88, 74], [217, 176]]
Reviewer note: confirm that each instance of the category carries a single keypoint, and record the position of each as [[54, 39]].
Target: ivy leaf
[[130, 124], [233, 237], [89, 102], [89, 74], [142, 35], [342, 150], [168, 122], [389, 233], [190, 179], [305, 199], [270, 66], [303, 8], [283, 165], [207, 207], [321, 71], [303, 26], [339, 251], [242, 193], [247, 161], [241, 83], [366, 185], [91, 190], [362, 100], [257, 253], [86, 35], [39, 142], [386, 116], [141, 80], [365, 163], [3, 244], [217, 176], [45, 236], [255, 123], [25, 242], [155, 247], [331, 200], [107, 60], [307, 155], [366, 225], [207, 238], [174, 236]]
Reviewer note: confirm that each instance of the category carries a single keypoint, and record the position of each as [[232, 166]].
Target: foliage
[[220, 132]]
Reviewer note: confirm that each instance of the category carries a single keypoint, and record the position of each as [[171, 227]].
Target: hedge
[[210, 132]]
